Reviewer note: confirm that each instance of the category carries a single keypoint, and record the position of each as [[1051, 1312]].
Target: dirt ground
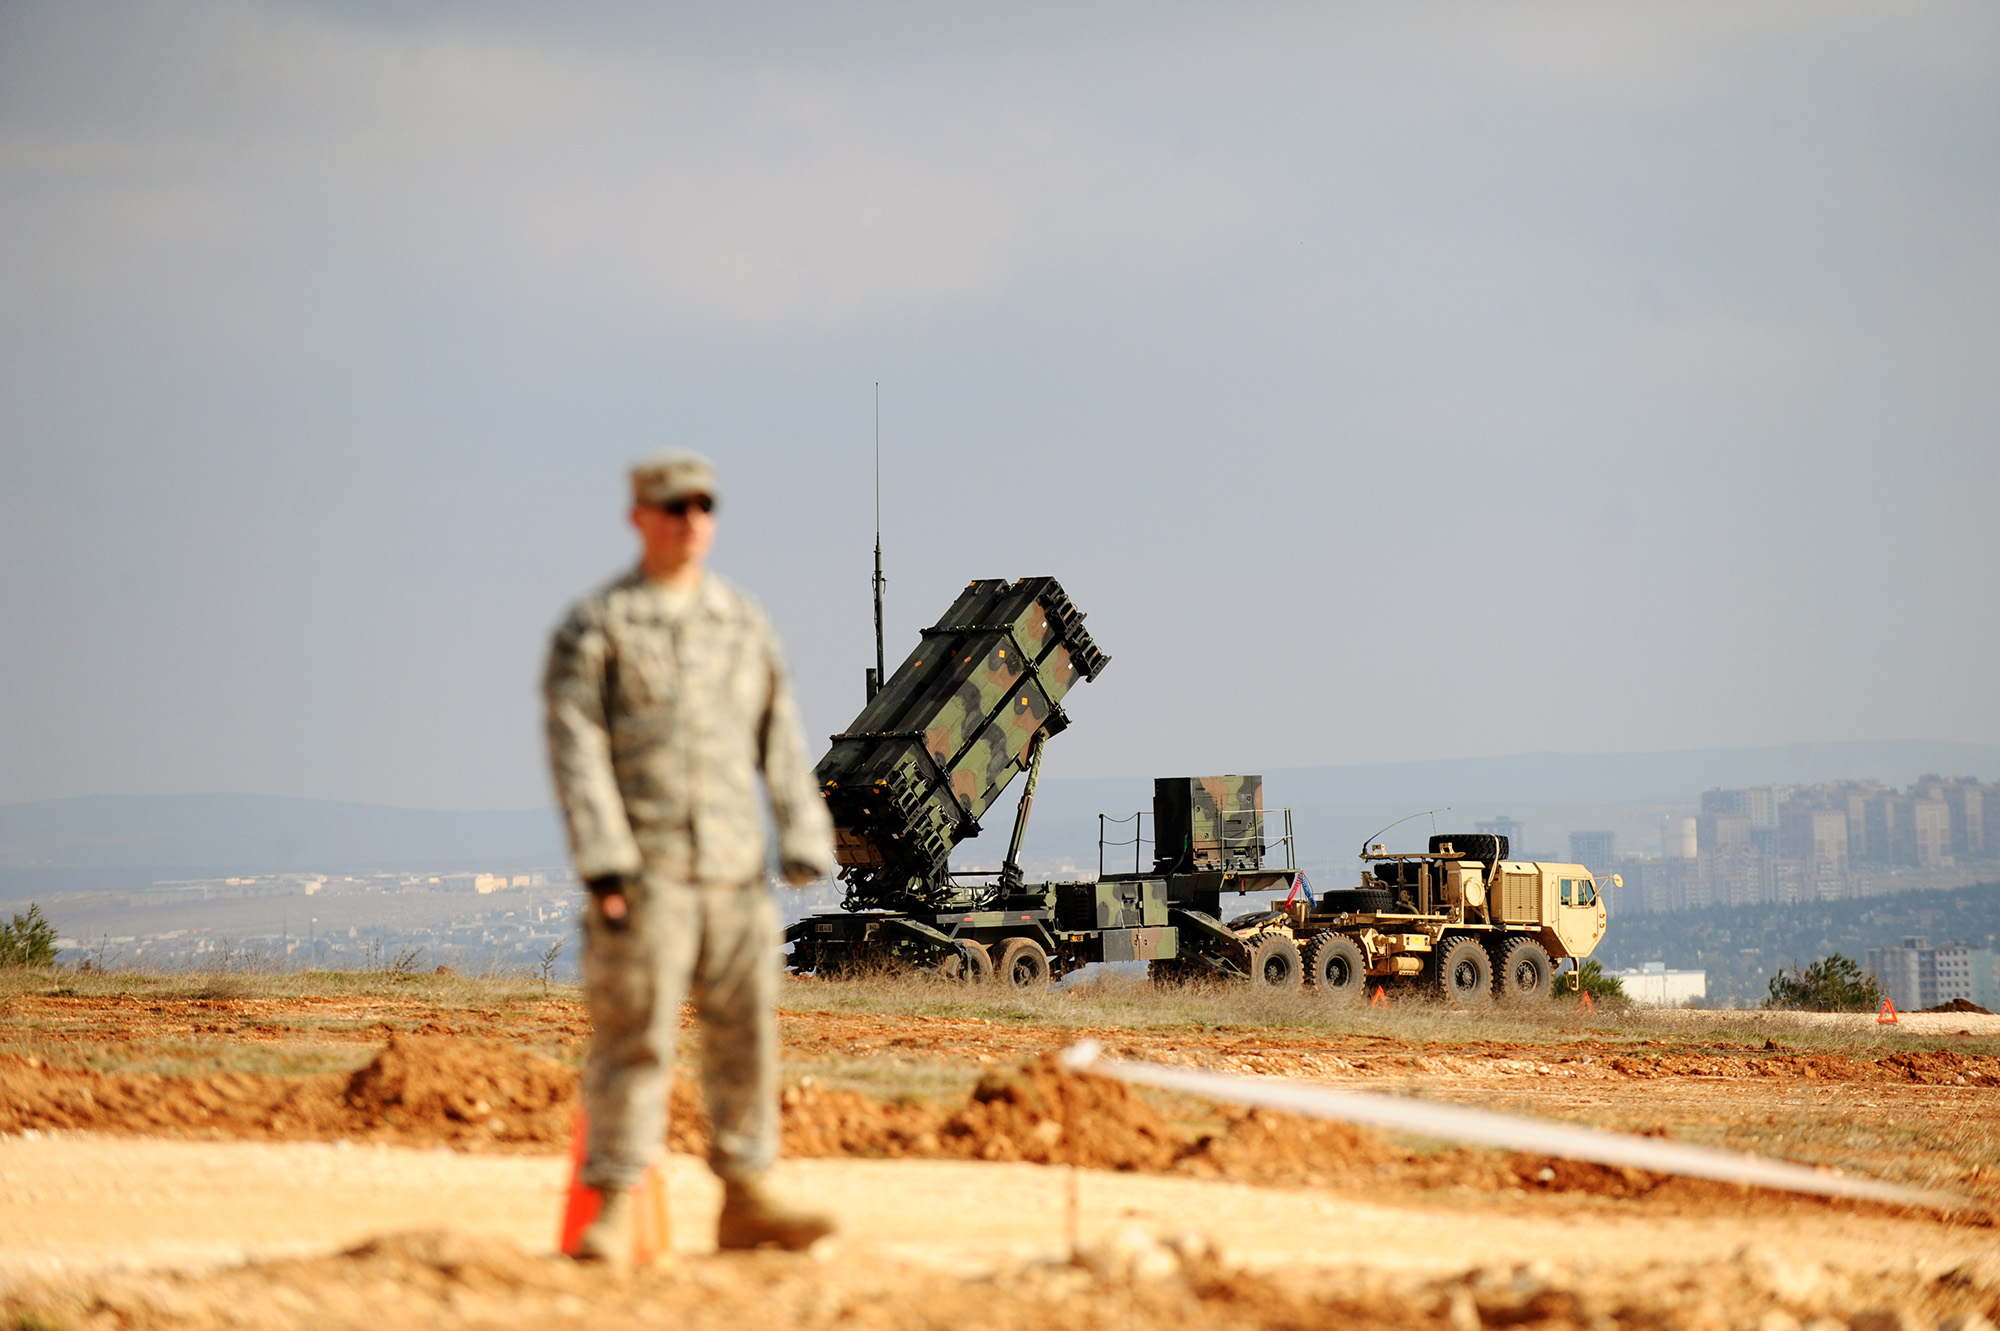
[[248, 1148]]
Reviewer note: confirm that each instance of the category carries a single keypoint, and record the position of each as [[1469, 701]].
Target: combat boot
[[608, 1238], [751, 1219]]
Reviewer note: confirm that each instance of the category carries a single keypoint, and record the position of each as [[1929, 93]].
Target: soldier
[[667, 693]]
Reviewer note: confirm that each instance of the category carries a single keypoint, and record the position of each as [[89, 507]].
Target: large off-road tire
[[1275, 962], [1461, 973], [1336, 969], [954, 967], [1356, 901], [1021, 966], [1255, 917], [1472, 845], [1522, 971]]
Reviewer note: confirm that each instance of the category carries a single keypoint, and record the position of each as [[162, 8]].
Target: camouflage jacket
[[658, 726]]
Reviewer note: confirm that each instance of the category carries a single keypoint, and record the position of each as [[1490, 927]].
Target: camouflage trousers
[[717, 945]]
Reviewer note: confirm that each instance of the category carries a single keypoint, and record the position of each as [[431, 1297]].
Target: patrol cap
[[668, 474]]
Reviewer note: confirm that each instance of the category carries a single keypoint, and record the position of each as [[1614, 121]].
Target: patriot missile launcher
[[933, 750], [946, 734]]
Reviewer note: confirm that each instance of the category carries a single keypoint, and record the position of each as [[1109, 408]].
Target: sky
[[1385, 383]]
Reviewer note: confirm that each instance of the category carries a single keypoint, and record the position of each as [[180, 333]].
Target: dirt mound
[[1045, 1115], [1261, 1146], [1940, 1067], [1960, 1005], [419, 1088], [1036, 1113], [224, 1105], [453, 1089], [443, 1280]]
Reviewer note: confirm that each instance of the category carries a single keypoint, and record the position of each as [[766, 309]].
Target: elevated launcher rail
[[946, 734]]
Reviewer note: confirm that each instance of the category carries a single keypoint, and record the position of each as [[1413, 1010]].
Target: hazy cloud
[[1387, 382]]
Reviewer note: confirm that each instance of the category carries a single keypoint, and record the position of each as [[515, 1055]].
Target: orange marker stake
[[1587, 1005], [1380, 1000], [1887, 1016], [652, 1236]]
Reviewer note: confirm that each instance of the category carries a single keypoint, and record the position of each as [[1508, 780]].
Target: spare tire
[[1393, 874], [1356, 901], [1472, 845]]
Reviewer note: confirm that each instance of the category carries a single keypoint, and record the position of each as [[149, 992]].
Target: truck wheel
[[1355, 901], [1522, 971], [1462, 973], [1274, 962], [1022, 965], [1336, 968], [954, 967]]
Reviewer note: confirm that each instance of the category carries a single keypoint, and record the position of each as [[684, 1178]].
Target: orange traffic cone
[[1380, 1000], [652, 1238], [1887, 1016]]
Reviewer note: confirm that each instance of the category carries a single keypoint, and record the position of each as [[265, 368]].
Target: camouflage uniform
[[660, 716]]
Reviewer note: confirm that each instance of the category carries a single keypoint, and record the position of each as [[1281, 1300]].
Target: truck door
[[1580, 916]]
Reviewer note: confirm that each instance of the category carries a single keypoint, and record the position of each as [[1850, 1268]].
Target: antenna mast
[[875, 675]]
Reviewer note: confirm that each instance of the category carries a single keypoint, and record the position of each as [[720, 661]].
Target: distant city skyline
[[1407, 383]]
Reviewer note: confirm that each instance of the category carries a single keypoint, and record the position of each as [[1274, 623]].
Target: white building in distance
[[1653, 985]]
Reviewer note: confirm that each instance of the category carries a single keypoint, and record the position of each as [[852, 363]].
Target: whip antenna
[[875, 675], [1400, 821]]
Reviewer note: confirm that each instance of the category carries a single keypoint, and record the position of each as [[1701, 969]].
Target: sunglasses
[[679, 507]]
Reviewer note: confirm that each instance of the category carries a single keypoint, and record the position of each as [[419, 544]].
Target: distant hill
[[167, 835], [102, 840]]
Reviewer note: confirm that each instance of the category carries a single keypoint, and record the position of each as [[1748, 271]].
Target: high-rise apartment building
[[1678, 838], [1930, 833], [1967, 802], [1595, 851], [1916, 975], [1783, 844]]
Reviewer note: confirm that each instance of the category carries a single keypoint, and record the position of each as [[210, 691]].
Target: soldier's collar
[[711, 594], [711, 597]]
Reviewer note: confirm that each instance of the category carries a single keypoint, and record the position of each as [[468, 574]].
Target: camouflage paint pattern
[[661, 720], [1208, 822], [949, 730]]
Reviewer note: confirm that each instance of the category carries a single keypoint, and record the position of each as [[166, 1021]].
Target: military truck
[[932, 751], [1460, 920]]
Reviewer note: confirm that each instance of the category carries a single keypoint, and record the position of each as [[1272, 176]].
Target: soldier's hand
[[799, 872], [613, 900]]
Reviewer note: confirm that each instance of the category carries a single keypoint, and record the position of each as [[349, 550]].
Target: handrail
[[1287, 840]]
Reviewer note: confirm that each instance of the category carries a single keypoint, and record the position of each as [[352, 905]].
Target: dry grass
[[449, 988], [192, 1023], [1127, 1002]]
